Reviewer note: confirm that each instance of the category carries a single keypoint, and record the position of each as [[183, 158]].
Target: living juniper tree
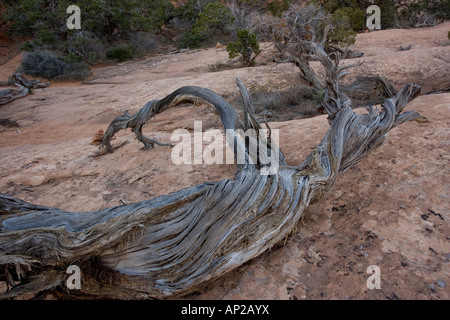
[[246, 45]]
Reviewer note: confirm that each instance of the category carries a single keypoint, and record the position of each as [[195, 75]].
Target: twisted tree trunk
[[24, 87], [171, 245]]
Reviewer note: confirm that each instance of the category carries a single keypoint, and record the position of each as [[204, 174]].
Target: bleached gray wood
[[23, 88], [173, 244]]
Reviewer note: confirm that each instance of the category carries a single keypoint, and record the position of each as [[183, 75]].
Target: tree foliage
[[103, 24], [190, 10], [112, 18], [424, 12], [246, 45], [343, 32], [215, 18], [277, 7], [394, 13]]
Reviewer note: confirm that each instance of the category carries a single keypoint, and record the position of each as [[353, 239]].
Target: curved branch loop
[[171, 245]]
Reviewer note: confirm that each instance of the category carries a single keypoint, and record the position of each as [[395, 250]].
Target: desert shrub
[[276, 8], [441, 9], [71, 57], [44, 36], [83, 46], [75, 71], [112, 19], [120, 53], [246, 45], [389, 13], [48, 65], [424, 12], [342, 33], [394, 13], [215, 18], [301, 100], [355, 17], [189, 11], [291, 96], [244, 10], [27, 46], [294, 95], [355, 10], [42, 64], [192, 39], [104, 23], [142, 43]]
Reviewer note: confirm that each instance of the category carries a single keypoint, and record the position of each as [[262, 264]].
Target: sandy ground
[[392, 210]]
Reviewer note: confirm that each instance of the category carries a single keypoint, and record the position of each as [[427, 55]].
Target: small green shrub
[[120, 54], [27, 46], [246, 45]]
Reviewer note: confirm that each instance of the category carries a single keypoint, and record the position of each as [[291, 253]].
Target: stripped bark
[[171, 245], [24, 86]]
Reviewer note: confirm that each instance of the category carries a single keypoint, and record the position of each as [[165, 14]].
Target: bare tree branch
[[24, 88], [173, 244]]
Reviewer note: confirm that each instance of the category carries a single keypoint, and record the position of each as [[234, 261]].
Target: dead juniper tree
[[173, 244], [292, 34], [296, 30], [23, 88]]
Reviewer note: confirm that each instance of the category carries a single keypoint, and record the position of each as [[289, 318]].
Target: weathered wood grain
[[24, 87], [173, 244]]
